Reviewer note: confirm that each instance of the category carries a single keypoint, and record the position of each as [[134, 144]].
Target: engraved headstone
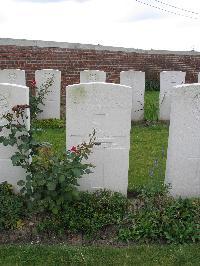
[[168, 79], [13, 76], [183, 155], [136, 80], [92, 76], [51, 107], [106, 108], [11, 95]]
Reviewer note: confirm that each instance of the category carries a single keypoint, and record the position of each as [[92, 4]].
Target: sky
[[122, 23]]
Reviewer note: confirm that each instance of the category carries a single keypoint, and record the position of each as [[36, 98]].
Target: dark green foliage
[[11, 208], [94, 211], [160, 218], [50, 224], [152, 85], [53, 179]]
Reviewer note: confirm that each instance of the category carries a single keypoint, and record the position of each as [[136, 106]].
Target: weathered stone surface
[[168, 79], [92, 76], [11, 95], [106, 108], [136, 80], [51, 107], [183, 156], [13, 76], [199, 78]]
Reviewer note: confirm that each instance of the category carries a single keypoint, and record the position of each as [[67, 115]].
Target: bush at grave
[[162, 219], [12, 208], [51, 179]]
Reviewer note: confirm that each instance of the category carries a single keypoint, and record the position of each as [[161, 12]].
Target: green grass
[[65, 255], [54, 136], [151, 102], [148, 145], [147, 155]]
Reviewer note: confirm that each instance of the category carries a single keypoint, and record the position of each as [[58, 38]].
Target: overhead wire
[[176, 7], [165, 10]]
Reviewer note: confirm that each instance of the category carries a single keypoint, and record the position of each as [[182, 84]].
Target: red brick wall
[[71, 61]]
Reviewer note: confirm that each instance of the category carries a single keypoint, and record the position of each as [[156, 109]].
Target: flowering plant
[[51, 179]]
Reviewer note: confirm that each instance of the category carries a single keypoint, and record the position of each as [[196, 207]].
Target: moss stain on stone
[[78, 93]]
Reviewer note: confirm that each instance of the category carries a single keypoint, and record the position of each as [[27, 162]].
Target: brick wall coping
[[67, 45]]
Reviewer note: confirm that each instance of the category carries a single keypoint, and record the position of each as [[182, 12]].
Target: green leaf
[[21, 183], [51, 186], [55, 210], [61, 178], [88, 171], [76, 172]]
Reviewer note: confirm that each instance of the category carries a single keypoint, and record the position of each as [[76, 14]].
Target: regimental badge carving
[[92, 77], [12, 76]]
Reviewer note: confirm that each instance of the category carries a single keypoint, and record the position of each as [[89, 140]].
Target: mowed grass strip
[[65, 255], [147, 157]]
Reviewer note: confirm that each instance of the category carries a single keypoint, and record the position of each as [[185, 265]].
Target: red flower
[[33, 83], [73, 149]]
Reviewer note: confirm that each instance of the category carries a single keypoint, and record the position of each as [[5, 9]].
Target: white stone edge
[[93, 83], [67, 45], [187, 85], [13, 85]]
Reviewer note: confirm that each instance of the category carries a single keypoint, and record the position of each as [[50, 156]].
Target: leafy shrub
[[160, 218], [94, 211], [53, 179], [50, 224], [12, 207]]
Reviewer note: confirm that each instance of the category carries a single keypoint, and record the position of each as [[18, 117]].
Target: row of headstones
[[51, 108], [134, 79], [106, 107]]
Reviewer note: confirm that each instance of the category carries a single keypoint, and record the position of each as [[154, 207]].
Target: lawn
[[65, 255], [148, 146]]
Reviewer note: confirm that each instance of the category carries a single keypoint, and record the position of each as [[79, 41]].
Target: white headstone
[[136, 80], [168, 79], [199, 78], [92, 76], [183, 155], [13, 76], [106, 108], [11, 95], [51, 107]]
